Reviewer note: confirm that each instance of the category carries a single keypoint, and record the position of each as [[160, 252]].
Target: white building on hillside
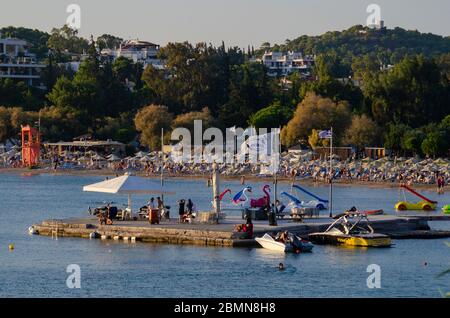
[[282, 64], [18, 64], [142, 52]]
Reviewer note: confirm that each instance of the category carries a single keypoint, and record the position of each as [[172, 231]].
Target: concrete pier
[[222, 234]]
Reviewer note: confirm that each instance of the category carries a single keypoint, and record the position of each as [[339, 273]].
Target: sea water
[[37, 266]]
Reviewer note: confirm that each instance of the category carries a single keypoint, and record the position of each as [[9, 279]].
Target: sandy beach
[[26, 172]]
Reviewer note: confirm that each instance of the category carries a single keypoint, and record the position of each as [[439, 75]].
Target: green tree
[[149, 121], [5, 123], [98, 89], [65, 39], [187, 120], [316, 112], [123, 69], [18, 93], [273, 116], [393, 136], [364, 67], [412, 141], [388, 46], [119, 128], [11, 120], [249, 91], [37, 39], [333, 81], [329, 66], [62, 123], [314, 139], [107, 41], [445, 125], [362, 132], [435, 144], [444, 64], [414, 92]]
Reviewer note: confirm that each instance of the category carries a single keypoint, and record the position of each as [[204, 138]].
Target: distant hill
[[388, 45]]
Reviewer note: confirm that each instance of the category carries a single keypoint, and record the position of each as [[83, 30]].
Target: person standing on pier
[[160, 207], [248, 229], [181, 204], [440, 184], [160, 204], [151, 204], [190, 206]]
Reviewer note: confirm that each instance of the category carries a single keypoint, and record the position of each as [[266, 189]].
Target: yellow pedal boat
[[421, 205], [425, 204]]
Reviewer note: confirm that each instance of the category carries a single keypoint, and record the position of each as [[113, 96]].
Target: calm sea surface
[[37, 265]]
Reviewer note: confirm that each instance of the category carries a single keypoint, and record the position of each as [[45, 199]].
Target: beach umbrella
[[128, 184], [113, 157], [381, 160], [98, 158], [140, 154], [389, 164], [440, 161], [145, 159], [443, 168], [411, 161]]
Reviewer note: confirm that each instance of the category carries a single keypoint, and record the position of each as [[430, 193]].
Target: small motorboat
[[295, 244], [351, 229]]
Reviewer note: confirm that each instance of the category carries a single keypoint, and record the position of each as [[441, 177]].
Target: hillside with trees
[[386, 46], [405, 107]]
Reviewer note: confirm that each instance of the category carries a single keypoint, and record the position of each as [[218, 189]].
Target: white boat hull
[[271, 244]]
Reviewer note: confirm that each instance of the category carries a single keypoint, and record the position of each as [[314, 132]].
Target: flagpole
[[162, 162], [331, 173], [272, 141]]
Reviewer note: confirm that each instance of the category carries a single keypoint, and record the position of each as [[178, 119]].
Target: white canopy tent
[[113, 157], [128, 184]]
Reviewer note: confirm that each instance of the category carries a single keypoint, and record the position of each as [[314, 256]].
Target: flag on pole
[[325, 134]]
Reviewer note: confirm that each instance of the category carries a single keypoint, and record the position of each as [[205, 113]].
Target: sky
[[236, 22]]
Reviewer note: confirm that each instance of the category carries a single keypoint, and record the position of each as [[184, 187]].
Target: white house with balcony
[[283, 64], [17, 63], [138, 51]]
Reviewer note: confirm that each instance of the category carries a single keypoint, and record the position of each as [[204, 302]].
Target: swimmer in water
[[281, 267]]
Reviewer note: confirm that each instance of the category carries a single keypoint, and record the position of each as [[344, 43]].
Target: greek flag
[[325, 134]]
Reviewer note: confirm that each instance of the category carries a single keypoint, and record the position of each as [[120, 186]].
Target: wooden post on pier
[[216, 185]]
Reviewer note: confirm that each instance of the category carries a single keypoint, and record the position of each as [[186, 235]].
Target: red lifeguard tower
[[31, 146]]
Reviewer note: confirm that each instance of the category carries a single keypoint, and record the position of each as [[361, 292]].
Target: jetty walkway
[[223, 234]]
